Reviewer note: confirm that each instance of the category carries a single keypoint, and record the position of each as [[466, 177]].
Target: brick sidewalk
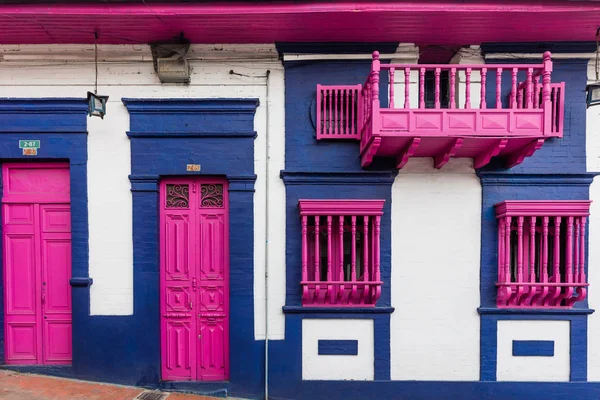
[[17, 386]]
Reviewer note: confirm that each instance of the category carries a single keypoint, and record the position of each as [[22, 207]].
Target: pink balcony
[[340, 252], [541, 253], [511, 128]]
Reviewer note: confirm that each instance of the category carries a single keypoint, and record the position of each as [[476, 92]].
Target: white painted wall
[[127, 71], [338, 367], [593, 165], [436, 236], [533, 369]]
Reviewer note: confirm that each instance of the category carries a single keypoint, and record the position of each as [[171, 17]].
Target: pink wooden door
[[194, 288], [36, 233]]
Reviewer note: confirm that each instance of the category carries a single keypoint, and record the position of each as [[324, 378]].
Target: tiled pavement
[[17, 386]]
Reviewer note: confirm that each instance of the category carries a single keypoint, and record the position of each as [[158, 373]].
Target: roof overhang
[[422, 22]]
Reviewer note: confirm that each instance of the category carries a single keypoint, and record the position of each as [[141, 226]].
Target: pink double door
[[194, 279], [36, 239]]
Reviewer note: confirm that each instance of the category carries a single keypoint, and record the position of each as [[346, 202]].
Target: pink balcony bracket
[[512, 127], [340, 252], [541, 253]]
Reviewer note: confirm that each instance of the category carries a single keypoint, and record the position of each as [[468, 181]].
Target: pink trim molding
[[541, 253]]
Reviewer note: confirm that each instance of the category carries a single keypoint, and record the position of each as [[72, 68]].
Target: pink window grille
[[337, 111], [541, 253], [340, 252]]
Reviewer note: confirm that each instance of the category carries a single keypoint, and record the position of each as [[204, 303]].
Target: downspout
[[267, 157]]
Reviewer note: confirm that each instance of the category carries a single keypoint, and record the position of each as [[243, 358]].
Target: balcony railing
[[444, 111]]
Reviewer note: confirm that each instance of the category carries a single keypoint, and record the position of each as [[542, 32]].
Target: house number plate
[[193, 168], [29, 147]]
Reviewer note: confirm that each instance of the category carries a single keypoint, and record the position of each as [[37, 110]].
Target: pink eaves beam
[[447, 22]]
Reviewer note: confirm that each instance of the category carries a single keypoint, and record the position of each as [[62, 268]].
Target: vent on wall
[[337, 111]]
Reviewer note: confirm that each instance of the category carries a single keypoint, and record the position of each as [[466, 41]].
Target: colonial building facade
[[349, 201]]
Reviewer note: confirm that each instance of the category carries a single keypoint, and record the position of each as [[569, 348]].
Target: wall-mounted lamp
[[593, 89], [593, 94], [169, 60], [96, 103]]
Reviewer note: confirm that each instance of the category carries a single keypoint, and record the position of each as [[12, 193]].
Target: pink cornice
[[546, 208], [341, 207]]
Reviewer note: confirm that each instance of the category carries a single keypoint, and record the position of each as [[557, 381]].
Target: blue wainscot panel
[[533, 348], [338, 347]]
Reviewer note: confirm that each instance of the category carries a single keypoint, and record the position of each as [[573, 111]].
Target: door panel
[[177, 363], [21, 342], [212, 346], [37, 264], [194, 271], [57, 348], [20, 280]]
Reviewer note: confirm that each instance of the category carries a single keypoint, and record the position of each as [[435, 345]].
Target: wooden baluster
[[513, 91], [582, 277], [577, 244], [555, 105], [529, 88], [406, 87], [375, 74], [317, 250], [304, 248], [501, 229], [391, 73], [520, 98], [377, 272], [341, 249], [330, 292], [546, 72], [421, 88], [366, 248], [556, 270], [329, 249], [556, 278], [532, 221], [336, 111], [468, 88], [330, 103], [569, 251], [377, 276], [544, 263], [536, 92], [482, 103], [520, 221], [507, 222], [353, 255], [452, 88], [499, 88], [350, 114], [437, 87], [347, 115]]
